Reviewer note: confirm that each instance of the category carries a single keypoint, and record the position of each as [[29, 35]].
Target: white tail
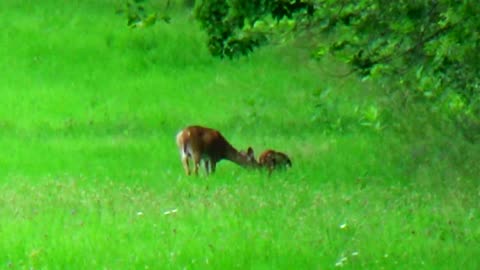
[[201, 143], [271, 160]]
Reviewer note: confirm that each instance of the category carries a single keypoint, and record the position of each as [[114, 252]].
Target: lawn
[[90, 176]]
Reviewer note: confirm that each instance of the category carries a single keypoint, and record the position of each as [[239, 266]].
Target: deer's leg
[[196, 162], [208, 165], [186, 166], [271, 167], [213, 166]]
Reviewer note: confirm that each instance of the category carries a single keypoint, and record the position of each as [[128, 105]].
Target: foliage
[[426, 48], [236, 27], [335, 119], [138, 16]]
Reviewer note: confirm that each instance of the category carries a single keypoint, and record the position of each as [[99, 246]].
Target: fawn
[[272, 160]]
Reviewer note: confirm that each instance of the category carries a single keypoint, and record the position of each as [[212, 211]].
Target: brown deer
[[272, 160], [202, 143]]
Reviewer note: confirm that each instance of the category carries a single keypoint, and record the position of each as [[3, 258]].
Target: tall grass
[[90, 175]]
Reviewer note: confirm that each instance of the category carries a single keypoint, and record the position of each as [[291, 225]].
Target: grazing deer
[[271, 160], [201, 143]]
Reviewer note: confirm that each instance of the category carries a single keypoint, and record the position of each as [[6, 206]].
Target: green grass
[[90, 174]]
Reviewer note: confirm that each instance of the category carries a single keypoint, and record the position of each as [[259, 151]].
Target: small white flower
[[341, 262], [343, 226], [169, 212], [139, 213]]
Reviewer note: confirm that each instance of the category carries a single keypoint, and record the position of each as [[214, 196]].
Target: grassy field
[[90, 177]]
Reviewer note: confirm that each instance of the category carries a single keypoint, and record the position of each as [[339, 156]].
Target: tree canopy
[[427, 50]]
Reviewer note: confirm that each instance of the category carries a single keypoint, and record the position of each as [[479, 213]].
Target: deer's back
[[202, 140], [271, 158]]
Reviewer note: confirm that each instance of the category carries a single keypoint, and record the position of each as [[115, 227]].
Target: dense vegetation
[[91, 179], [420, 50]]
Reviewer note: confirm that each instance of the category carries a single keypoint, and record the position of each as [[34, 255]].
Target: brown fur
[[202, 143], [272, 160]]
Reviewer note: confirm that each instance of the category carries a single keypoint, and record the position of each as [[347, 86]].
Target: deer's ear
[[250, 151]]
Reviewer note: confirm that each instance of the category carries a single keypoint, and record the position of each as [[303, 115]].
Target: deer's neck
[[234, 156]]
